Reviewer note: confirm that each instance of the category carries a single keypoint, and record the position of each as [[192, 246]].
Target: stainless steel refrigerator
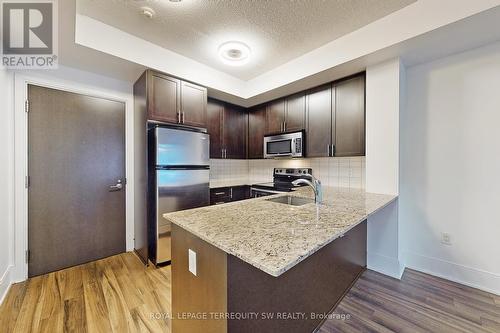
[[178, 179]]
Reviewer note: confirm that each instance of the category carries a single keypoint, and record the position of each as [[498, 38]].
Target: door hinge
[[27, 106], [27, 181], [27, 256]]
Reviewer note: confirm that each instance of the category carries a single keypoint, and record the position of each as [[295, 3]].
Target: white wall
[[64, 78], [384, 85], [450, 167], [6, 180]]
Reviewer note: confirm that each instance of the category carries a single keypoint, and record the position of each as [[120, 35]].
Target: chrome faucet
[[315, 184]]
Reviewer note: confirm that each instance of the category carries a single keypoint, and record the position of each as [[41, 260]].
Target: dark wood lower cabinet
[[227, 284], [222, 195]]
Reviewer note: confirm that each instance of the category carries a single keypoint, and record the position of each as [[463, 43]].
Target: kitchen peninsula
[[280, 255]]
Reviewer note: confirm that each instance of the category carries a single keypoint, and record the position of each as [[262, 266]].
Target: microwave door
[[279, 147]]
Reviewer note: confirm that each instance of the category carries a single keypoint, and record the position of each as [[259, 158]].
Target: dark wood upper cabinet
[[164, 101], [256, 132], [214, 127], [275, 116], [295, 112], [348, 135], [319, 121], [174, 101], [234, 132], [227, 126], [193, 105]]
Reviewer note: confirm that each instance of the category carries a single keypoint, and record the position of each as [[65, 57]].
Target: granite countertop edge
[[290, 264]]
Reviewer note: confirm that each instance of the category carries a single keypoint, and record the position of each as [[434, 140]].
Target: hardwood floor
[[119, 294], [418, 303], [116, 294]]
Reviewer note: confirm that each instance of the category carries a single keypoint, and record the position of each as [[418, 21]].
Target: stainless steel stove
[[282, 181]]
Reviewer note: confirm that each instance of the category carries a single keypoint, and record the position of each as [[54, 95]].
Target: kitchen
[[250, 191]]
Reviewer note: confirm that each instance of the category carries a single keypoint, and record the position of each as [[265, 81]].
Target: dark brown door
[[193, 104], [235, 131], [164, 98], [349, 133], [275, 116], [256, 132], [295, 112], [214, 127], [76, 199], [319, 118]]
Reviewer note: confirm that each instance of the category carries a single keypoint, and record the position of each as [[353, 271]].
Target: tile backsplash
[[332, 171]]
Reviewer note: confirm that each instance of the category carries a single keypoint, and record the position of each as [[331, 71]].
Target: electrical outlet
[[446, 238], [192, 261]]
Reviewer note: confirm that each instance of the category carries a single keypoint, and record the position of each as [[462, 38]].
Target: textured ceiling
[[276, 30]]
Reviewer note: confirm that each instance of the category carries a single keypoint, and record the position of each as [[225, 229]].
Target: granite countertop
[[274, 237]]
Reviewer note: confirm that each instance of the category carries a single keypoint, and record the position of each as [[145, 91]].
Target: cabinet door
[[234, 131], [349, 117], [256, 132], [319, 120], [164, 92], [275, 116], [295, 112], [240, 193], [193, 104], [214, 127]]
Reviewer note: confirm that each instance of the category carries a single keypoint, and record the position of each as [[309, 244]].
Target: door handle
[[117, 187]]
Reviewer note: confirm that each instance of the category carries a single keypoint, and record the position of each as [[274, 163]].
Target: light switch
[[192, 261]]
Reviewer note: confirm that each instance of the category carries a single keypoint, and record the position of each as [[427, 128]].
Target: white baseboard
[[385, 265], [469, 276], [5, 283]]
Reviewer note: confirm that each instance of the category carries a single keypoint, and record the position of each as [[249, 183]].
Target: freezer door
[[177, 190], [181, 147]]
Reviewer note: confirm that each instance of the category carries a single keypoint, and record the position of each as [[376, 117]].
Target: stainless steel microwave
[[284, 145]]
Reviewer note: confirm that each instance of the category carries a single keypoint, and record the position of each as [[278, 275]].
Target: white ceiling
[[277, 31]]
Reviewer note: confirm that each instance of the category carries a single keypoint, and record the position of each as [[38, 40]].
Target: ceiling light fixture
[[234, 53], [148, 12], [175, 0]]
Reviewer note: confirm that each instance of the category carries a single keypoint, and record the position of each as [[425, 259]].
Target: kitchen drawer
[[220, 195]]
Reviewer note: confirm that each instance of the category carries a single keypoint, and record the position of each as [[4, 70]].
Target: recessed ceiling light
[[148, 12], [234, 53]]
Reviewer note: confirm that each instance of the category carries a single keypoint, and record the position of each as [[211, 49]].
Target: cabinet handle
[[222, 153], [231, 192], [284, 126], [328, 150], [333, 150], [219, 193], [178, 117], [225, 153], [183, 117]]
